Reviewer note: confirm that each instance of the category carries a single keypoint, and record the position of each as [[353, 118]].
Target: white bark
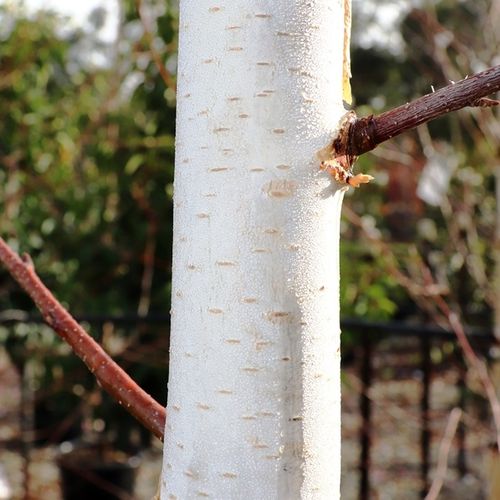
[[254, 384]]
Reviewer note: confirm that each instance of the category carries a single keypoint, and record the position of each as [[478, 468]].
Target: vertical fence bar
[[425, 364], [26, 424], [365, 408], [462, 389]]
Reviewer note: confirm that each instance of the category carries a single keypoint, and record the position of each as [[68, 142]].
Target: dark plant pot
[[96, 474]]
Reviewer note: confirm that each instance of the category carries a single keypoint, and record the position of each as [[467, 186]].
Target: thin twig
[[477, 364], [408, 282], [109, 375], [164, 73], [418, 292], [444, 451], [367, 133]]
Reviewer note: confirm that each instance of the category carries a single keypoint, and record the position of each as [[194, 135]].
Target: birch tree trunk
[[254, 384]]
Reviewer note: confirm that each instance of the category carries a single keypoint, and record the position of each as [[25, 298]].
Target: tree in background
[[435, 199], [432, 226]]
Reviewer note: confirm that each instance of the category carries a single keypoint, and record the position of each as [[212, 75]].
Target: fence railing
[[370, 335]]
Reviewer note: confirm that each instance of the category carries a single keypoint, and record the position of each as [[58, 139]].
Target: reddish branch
[[367, 133], [110, 376]]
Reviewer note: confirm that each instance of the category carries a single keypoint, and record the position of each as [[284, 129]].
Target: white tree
[[254, 389], [254, 385]]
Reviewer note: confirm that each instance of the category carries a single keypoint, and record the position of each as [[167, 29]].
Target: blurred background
[[87, 122]]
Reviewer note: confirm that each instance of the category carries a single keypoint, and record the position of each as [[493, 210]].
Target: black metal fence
[[426, 339], [371, 339]]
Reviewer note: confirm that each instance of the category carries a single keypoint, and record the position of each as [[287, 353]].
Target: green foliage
[[86, 173], [84, 167], [367, 291]]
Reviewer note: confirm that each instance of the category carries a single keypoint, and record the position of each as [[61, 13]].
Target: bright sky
[[78, 11], [382, 32]]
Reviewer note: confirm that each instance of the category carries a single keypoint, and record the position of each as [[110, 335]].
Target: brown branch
[[109, 375], [160, 66], [367, 133]]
